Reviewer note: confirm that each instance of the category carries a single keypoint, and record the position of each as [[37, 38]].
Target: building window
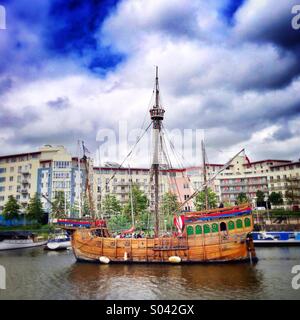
[[11, 179], [62, 164], [2, 179], [2, 170]]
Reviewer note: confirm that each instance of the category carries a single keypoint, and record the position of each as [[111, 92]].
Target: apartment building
[[47, 171], [246, 177], [18, 177], [285, 178]]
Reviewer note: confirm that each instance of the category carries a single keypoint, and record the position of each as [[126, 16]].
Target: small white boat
[[19, 240], [59, 242]]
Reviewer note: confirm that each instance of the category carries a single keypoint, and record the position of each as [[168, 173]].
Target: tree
[[260, 201], [35, 209], [169, 204], [74, 209], [58, 207], [111, 205], [276, 198], [11, 209], [119, 222], [242, 198], [200, 200], [86, 210], [139, 200]]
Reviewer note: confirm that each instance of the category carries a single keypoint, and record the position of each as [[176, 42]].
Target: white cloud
[[237, 90]]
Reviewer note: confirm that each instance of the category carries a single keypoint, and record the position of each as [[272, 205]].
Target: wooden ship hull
[[206, 238]]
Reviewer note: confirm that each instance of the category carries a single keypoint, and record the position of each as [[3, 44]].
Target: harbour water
[[37, 274]]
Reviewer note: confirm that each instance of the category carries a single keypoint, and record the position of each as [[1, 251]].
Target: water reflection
[[166, 281]]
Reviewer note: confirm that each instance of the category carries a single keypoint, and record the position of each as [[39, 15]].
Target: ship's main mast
[[157, 115]]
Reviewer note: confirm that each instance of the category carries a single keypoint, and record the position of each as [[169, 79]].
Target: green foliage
[[139, 200], [276, 198], [11, 209], [290, 196], [242, 198], [169, 204], [260, 198], [111, 205], [227, 204], [200, 200], [119, 222], [58, 207], [35, 209], [86, 211], [142, 220], [74, 209]]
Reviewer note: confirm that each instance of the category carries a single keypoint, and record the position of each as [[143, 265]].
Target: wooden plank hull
[[205, 239], [199, 249]]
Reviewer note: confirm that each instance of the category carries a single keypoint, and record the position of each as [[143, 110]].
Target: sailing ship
[[220, 235]]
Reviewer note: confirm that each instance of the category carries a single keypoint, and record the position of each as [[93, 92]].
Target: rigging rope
[[128, 155], [211, 179]]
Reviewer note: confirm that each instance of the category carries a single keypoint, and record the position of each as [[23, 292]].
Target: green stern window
[[198, 230], [230, 225], [206, 228], [190, 230], [239, 223], [247, 222], [214, 227]]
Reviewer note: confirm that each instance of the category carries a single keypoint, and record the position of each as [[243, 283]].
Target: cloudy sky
[[69, 68]]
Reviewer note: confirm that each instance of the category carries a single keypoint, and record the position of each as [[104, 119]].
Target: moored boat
[[59, 241], [19, 240], [218, 236], [276, 238]]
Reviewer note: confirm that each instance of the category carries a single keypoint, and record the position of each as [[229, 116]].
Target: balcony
[[121, 191], [24, 191], [25, 181], [25, 171], [121, 183], [242, 183]]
